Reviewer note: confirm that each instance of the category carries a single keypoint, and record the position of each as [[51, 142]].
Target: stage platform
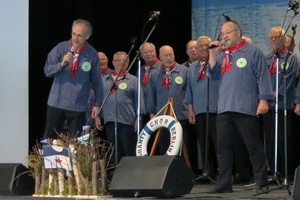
[[199, 191]]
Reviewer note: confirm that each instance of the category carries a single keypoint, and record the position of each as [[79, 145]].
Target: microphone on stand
[[293, 5], [154, 15], [226, 17], [73, 48]]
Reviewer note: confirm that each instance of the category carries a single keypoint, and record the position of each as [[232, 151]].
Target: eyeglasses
[[168, 55], [77, 35], [272, 37], [149, 51], [192, 47], [102, 59], [203, 46], [120, 60], [228, 32]]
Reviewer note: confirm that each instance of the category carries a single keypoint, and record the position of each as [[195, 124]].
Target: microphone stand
[[137, 56], [205, 169], [115, 87], [285, 181], [139, 99]]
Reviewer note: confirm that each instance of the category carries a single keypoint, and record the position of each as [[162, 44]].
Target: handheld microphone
[[226, 17], [73, 48], [214, 46], [154, 15]]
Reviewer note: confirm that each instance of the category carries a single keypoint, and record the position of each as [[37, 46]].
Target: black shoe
[[263, 189], [220, 190]]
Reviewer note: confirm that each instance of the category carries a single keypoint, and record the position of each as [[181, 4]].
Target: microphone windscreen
[[73, 48]]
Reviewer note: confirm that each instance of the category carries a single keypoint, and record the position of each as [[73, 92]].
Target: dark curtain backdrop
[[115, 23]]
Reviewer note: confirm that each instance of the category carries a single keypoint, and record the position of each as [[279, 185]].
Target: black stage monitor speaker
[[296, 187], [15, 179], [157, 176]]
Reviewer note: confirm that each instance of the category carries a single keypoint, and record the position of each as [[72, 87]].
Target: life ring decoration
[[155, 123]]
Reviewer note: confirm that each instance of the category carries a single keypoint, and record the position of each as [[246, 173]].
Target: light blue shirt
[[158, 96], [196, 92], [290, 78], [125, 99]]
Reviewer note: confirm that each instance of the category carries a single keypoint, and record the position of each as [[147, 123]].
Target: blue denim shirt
[[246, 83], [145, 86], [125, 99], [158, 96], [290, 78], [71, 93], [196, 92]]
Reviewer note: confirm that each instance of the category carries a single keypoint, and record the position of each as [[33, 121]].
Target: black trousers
[[126, 140], [269, 130], [229, 126], [56, 119], [200, 125]]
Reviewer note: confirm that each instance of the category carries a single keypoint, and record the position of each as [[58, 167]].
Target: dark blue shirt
[[246, 83], [71, 93]]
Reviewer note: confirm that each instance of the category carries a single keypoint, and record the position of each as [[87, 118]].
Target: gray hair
[[121, 52], [86, 23], [200, 38]]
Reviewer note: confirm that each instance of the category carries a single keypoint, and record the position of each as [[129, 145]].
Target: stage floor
[[199, 191]]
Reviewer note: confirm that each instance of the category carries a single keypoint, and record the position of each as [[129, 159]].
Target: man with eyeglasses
[[196, 99], [287, 65], [74, 65], [121, 107], [192, 53], [169, 80], [148, 54], [244, 91]]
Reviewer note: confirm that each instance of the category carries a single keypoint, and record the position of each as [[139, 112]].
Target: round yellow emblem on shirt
[[86, 66], [179, 80], [283, 65], [123, 86], [241, 62]]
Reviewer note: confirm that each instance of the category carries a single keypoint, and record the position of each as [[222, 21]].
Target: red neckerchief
[[115, 74], [146, 75], [226, 66], [201, 73], [166, 79], [272, 68], [73, 67], [104, 71]]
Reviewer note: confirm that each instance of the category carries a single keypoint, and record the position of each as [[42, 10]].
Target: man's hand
[[297, 109], [95, 111], [98, 123], [66, 59], [262, 107], [191, 114]]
